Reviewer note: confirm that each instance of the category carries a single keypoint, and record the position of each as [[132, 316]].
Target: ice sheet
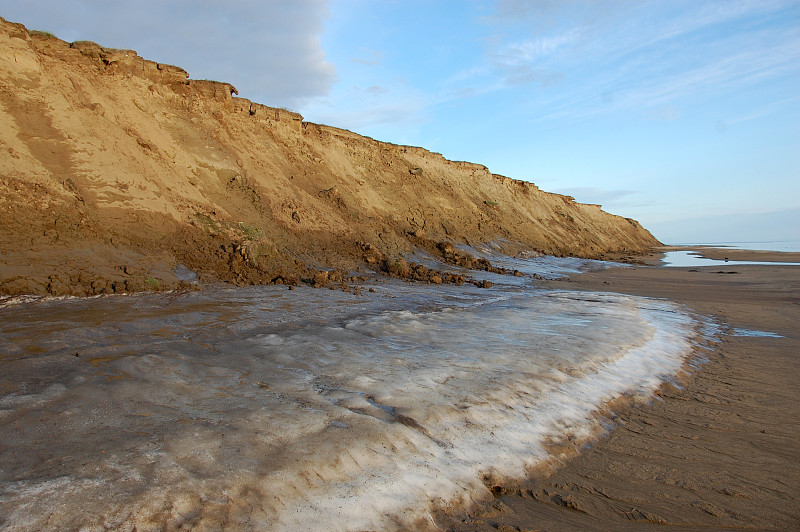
[[263, 408]]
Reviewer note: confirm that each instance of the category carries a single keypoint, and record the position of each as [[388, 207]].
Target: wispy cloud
[[656, 92], [566, 62], [520, 62], [763, 110], [525, 51], [657, 59]]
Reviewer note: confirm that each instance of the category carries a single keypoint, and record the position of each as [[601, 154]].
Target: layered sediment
[[116, 170]]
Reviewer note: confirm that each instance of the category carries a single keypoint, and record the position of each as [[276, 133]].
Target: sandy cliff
[[115, 169]]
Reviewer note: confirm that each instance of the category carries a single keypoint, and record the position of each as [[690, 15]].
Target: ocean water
[[690, 259], [268, 409], [768, 245]]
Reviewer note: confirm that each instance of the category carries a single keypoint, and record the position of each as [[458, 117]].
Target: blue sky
[[682, 114]]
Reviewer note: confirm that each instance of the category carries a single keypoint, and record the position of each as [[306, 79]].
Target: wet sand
[[720, 453]]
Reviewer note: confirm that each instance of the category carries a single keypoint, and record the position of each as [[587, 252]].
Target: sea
[[761, 245], [265, 408], [692, 259]]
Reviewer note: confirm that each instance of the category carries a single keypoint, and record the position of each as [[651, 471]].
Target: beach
[[616, 398], [719, 452]]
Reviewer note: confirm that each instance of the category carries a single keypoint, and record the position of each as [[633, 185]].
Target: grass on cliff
[[43, 34]]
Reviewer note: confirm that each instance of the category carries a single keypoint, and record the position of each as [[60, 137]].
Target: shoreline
[[715, 448], [717, 453]]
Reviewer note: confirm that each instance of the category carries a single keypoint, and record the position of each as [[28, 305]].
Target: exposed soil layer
[[115, 171]]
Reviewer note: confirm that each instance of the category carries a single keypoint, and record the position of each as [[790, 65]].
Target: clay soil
[[721, 453]]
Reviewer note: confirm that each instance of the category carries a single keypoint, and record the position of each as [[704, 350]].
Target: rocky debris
[[371, 254], [456, 257], [83, 284], [402, 269]]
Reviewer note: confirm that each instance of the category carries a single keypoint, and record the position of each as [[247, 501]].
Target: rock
[[371, 254], [57, 286], [320, 279], [98, 287], [446, 248], [398, 268]]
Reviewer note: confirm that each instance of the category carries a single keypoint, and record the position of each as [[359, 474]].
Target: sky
[[684, 115]]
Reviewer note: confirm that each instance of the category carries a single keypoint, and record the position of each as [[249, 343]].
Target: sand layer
[[720, 453], [115, 170]]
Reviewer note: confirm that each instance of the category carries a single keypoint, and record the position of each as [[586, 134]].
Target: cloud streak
[[634, 55]]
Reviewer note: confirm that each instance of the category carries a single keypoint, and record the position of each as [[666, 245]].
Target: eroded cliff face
[[115, 169]]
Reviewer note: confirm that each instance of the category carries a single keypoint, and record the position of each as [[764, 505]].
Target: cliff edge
[[116, 170]]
